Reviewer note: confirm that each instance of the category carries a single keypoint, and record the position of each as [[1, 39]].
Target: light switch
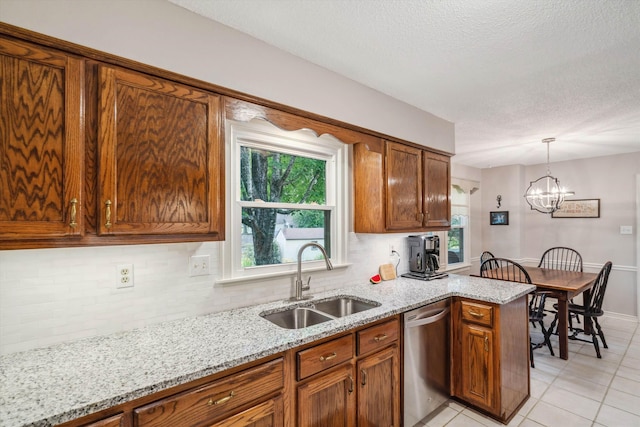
[[626, 229]]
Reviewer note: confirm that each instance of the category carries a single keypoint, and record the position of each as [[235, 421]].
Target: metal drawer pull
[[380, 337], [107, 205], [350, 384], [486, 343], [72, 222], [220, 401], [363, 374], [328, 356], [476, 314]]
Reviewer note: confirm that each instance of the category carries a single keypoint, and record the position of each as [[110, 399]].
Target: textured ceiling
[[508, 73]]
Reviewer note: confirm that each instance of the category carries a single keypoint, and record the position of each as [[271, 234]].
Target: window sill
[[457, 267], [266, 276]]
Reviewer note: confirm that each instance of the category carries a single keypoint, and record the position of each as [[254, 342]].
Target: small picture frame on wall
[[499, 218], [579, 208]]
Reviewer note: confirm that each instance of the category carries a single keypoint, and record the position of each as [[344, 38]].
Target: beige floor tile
[[483, 419], [538, 388], [529, 423], [440, 419], [626, 385], [461, 420], [581, 387], [629, 373], [456, 406], [591, 361], [551, 416], [572, 402], [621, 400], [614, 417], [586, 373]]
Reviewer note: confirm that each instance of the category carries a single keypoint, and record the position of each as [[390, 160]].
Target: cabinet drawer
[[209, 402], [377, 336], [114, 421], [480, 314], [323, 356]]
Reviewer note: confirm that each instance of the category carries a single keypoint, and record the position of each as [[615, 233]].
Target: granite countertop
[[47, 386]]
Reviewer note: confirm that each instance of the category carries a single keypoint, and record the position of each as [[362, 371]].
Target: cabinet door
[[267, 414], [437, 190], [328, 400], [41, 142], [161, 167], [404, 187], [379, 389], [477, 360]]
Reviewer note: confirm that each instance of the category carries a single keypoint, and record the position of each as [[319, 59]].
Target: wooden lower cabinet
[[490, 355], [378, 384], [328, 400]]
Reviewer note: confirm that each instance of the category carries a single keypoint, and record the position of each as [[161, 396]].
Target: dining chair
[[562, 258], [591, 310], [506, 269]]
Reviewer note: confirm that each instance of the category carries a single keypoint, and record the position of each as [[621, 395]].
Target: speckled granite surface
[[47, 386]]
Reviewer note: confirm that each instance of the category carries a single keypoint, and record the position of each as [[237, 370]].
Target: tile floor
[[581, 391]]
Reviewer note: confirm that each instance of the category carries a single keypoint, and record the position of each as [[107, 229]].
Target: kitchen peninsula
[[47, 386]]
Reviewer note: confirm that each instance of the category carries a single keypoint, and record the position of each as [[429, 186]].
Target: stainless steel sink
[[296, 318], [323, 311], [344, 306]]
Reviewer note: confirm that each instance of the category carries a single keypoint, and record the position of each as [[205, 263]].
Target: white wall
[[53, 295], [611, 179]]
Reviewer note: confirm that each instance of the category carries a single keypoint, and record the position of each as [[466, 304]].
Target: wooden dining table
[[563, 285]]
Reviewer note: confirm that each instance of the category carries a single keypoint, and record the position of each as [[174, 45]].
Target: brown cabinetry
[[335, 395], [399, 187], [41, 143], [160, 156], [218, 400], [490, 349]]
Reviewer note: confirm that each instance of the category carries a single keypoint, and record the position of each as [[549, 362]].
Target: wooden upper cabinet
[[160, 157], [404, 187], [41, 143], [437, 190], [399, 187]]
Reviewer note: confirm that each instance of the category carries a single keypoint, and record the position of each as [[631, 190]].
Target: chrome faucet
[[299, 286]]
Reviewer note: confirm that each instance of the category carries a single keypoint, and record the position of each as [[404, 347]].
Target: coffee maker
[[424, 251]]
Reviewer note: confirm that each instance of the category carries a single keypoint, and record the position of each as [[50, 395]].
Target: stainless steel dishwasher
[[426, 360]]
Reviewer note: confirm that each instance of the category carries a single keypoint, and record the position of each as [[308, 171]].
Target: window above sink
[[269, 222]]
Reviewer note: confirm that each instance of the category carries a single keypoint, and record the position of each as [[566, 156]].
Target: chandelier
[[545, 194]]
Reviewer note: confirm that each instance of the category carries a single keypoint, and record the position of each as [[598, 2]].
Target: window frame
[[466, 251], [261, 134]]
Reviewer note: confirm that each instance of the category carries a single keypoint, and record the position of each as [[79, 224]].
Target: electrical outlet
[[124, 276], [199, 265]]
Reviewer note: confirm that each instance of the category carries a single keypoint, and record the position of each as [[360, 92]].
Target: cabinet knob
[[73, 213]]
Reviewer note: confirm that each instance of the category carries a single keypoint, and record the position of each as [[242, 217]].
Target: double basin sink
[[319, 312]]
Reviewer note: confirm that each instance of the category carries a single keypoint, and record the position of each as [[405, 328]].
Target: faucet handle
[[307, 286]]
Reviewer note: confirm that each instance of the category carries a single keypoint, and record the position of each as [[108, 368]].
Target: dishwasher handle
[[431, 318]]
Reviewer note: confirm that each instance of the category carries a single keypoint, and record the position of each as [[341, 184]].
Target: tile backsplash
[[48, 296]]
